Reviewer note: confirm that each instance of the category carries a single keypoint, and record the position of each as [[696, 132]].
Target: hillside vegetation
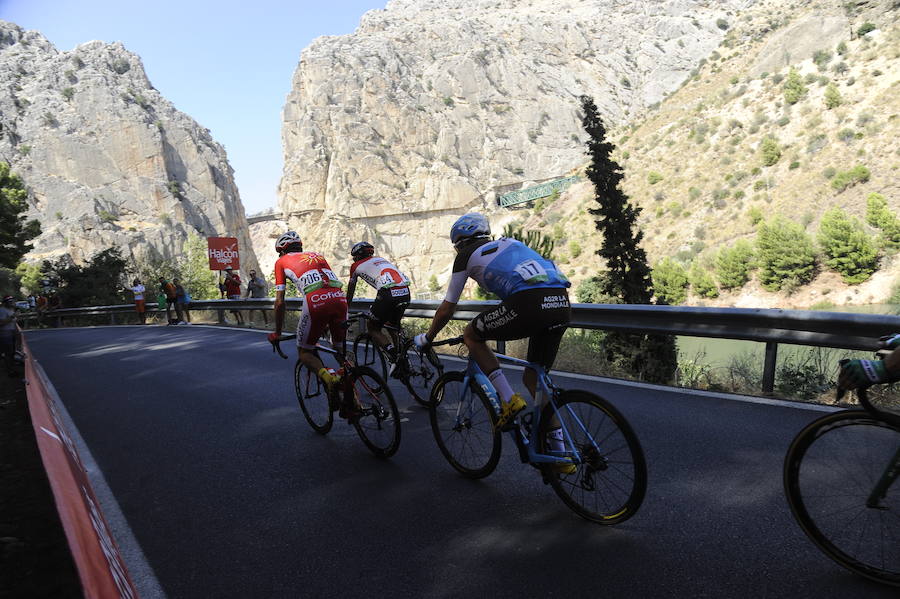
[[773, 170]]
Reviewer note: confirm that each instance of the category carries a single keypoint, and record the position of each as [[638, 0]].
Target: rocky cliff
[[109, 162], [433, 107]]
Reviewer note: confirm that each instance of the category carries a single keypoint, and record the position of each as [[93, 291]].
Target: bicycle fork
[[884, 483]]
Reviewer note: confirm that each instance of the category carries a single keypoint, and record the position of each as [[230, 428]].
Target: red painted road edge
[[96, 556]]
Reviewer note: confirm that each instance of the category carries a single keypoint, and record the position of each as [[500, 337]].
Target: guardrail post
[[501, 346], [768, 381], [112, 318]]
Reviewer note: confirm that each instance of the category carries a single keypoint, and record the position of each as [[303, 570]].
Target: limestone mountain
[[697, 163], [432, 108], [108, 161]]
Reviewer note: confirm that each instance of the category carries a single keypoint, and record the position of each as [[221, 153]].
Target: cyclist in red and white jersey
[[392, 293], [324, 306]]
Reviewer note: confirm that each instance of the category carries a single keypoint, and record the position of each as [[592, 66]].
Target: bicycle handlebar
[[451, 341], [276, 344]]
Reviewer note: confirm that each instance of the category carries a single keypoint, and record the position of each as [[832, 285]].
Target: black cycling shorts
[[541, 315], [389, 305]]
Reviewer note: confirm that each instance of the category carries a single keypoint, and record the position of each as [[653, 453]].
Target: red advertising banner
[[223, 252], [100, 566]]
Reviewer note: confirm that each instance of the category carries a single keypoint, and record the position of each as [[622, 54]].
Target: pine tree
[[833, 97], [847, 247], [794, 88], [650, 357], [15, 233]]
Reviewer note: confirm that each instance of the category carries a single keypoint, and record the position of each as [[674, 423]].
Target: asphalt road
[[229, 493]]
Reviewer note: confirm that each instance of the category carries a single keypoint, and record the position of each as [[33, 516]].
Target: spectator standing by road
[[168, 289], [54, 303], [139, 305], [40, 306], [181, 303], [8, 333], [257, 288], [233, 291]]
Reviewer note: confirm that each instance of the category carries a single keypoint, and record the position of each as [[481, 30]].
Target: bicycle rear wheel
[[609, 483], [464, 425], [830, 471], [313, 398], [369, 354], [378, 422], [420, 370]]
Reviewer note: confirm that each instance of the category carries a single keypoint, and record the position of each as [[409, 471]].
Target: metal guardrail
[[770, 326]]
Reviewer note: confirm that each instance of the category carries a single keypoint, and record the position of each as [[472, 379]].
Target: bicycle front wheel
[[830, 476], [464, 425], [420, 370], [378, 422], [369, 354], [610, 477], [313, 398]]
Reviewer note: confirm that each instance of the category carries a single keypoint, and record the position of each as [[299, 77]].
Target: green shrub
[[734, 265], [821, 58], [846, 247], [702, 282], [670, 281], [68, 93], [755, 214], [783, 121], [786, 254], [574, 249], [829, 172], [654, 177], [107, 216], [448, 101], [833, 97], [866, 28], [841, 48], [805, 375], [770, 150], [844, 179], [879, 216], [722, 24], [794, 88], [120, 66], [846, 135], [794, 165]]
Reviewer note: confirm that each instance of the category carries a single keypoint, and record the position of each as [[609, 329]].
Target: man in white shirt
[[138, 291]]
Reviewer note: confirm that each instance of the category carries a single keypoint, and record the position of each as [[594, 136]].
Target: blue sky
[[227, 64]]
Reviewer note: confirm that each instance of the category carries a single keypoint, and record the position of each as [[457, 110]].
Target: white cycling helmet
[[287, 240]]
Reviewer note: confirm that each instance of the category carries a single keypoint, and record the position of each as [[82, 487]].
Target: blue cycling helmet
[[473, 225]]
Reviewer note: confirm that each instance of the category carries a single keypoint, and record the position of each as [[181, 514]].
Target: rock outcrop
[[432, 107], [109, 162]]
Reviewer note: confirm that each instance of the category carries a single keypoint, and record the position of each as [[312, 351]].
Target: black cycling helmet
[[362, 249]]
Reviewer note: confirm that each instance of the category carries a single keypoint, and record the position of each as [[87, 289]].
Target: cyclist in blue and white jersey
[[535, 304]]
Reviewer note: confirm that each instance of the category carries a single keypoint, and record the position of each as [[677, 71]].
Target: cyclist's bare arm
[[279, 311], [441, 317], [351, 290]]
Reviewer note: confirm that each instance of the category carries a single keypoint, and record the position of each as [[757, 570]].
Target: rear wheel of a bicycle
[[609, 481], [369, 354], [313, 398], [419, 372], [831, 472], [378, 420], [464, 425]]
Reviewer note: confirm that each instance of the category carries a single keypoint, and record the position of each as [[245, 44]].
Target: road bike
[[367, 400], [415, 368], [840, 478], [571, 427]]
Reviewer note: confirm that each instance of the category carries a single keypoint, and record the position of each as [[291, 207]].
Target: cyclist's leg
[[500, 323], [552, 316], [309, 329]]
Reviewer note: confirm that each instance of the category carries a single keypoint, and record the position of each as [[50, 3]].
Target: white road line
[[664, 388]]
